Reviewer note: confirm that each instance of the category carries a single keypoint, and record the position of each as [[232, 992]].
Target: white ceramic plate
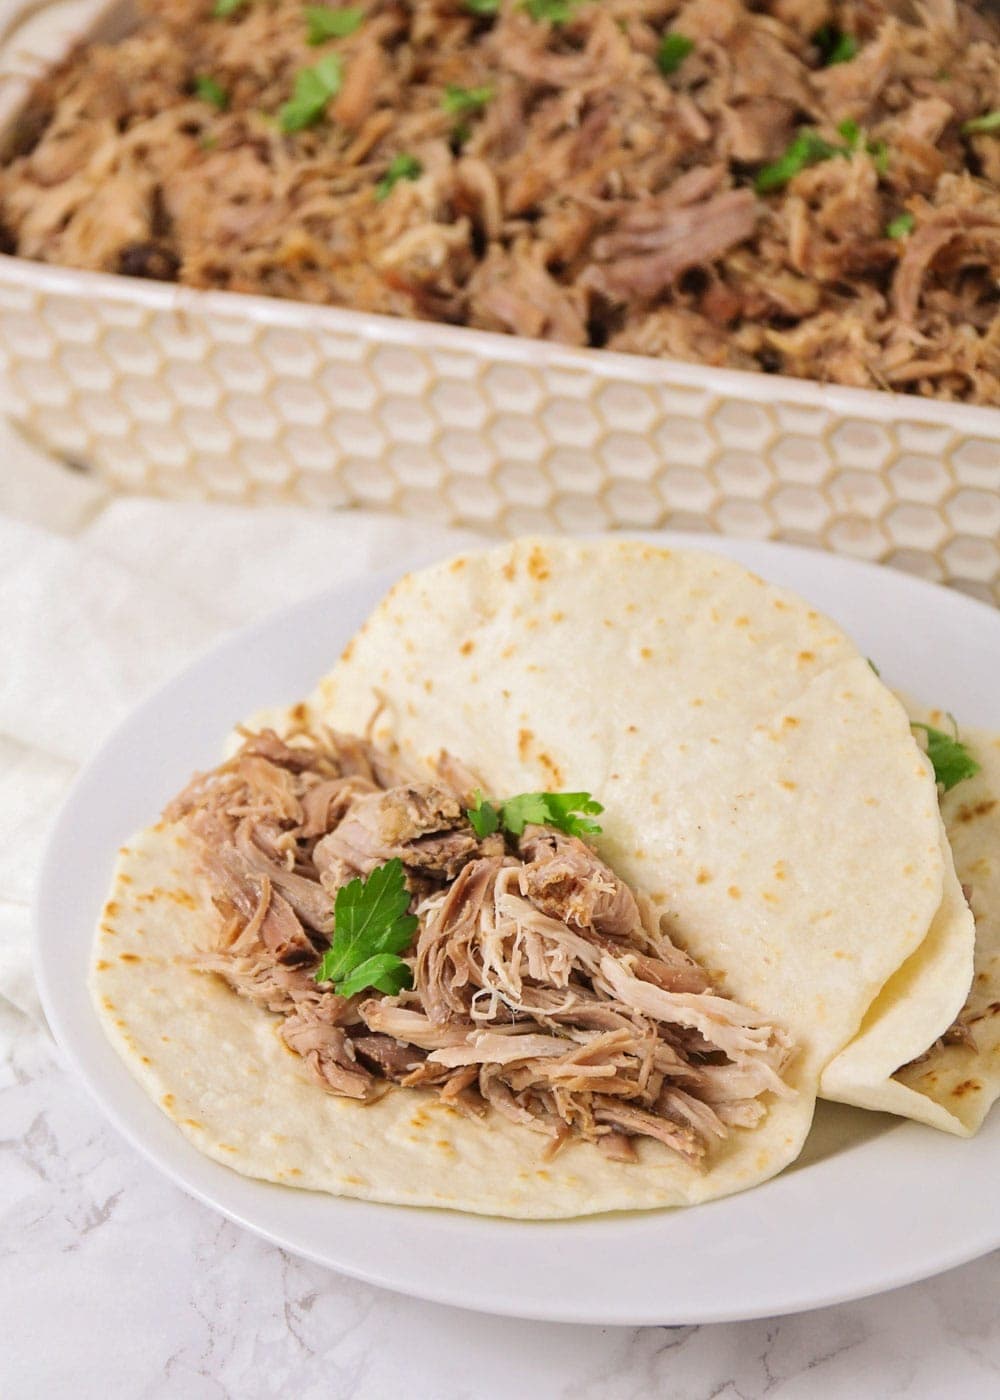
[[871, 1204]]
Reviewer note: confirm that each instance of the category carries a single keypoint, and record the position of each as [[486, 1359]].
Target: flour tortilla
[[955, 1086], [761, 787]]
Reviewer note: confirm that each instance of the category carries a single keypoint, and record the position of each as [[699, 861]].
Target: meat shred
[[543, 988], [587, 198]]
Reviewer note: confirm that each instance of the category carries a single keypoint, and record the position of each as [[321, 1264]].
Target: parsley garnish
[[834, 45], [209, 90], [459, 100], [555, 11], [370, 928], [401, 167], [314, 87], [324, 23], [989, 121], [809, 148], [673, 50], [900, 226], [568, 811], [222, 9], [950, 759]]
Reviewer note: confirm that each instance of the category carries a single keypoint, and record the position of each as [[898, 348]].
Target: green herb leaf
[[871, 663], [674, 49], [850, 131], [314, 87], [385, 972], [370, 926], [553, 11], [209, 90], [834, 45], [459, 100], [401, 167], [484, 817], [323, 23], [807, 149], [900, 226], [989, 121], [879, 153], [569, 811], [222, 9], [483, 7], [950, 759]]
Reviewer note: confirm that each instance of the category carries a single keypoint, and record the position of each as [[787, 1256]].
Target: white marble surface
[[114, 1284]]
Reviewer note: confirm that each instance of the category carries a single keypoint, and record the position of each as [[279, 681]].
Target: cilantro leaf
[[323, 23], [483, 816], [210, 91], [834, 45], [370, 926], [989, 121], [900, 226], [555, 11], [459, 100], [401, 167], [808, 148], [384, 971], [674, 49], [483, 7], [951, 760], [568, 811], [314, 87], [222, 9]]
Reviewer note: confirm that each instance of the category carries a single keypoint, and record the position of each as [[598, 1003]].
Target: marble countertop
[[114, 1283]]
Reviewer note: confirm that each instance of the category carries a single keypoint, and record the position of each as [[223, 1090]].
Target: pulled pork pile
[[545, 167], [540, 987]]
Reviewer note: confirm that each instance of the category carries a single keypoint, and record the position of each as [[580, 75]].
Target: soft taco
[[641, 839]]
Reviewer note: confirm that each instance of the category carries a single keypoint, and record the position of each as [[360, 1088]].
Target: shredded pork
[[542, 986], [585, 196]]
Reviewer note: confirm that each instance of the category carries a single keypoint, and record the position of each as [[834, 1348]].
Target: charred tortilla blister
[[542, 988]]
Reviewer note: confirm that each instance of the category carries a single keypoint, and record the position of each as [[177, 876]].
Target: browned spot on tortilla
[[791, 722], [552, 768], [769, 897], [981, 809], [183, 898], [703, 876], [294, 1171], [967, 1086], [428, 685], [467, 647], [558, 615], [696, 702], [733, 892], [352, 1180], [524, 738], [124, 879], [508, 651], [299, 712], [419, 1119], [807, 656], [812, 615], [124, 851], [631, 729], [445, 1145], [742, 621], [788, 784], [102, 966], [348, 651], [145, 1059], [542, 1174], [457, 565], [168, 1101], [645, 653], [129, 957], [608, 622], [508, 569], [165, 1039], [107, 1003], [538, 564], [120, 1023], [839, 953], [112, 909]]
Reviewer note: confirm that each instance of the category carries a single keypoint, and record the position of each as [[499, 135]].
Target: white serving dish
[[186, 393]]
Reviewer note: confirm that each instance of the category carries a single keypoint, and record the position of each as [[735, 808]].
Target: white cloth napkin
[[102, 598]]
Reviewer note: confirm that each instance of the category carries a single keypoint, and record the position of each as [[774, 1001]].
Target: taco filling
[[412, 933]]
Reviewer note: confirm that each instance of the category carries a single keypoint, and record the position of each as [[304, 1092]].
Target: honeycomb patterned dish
[[203, 394]]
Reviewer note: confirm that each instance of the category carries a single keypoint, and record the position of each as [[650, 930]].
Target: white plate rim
[[251, 1204]]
